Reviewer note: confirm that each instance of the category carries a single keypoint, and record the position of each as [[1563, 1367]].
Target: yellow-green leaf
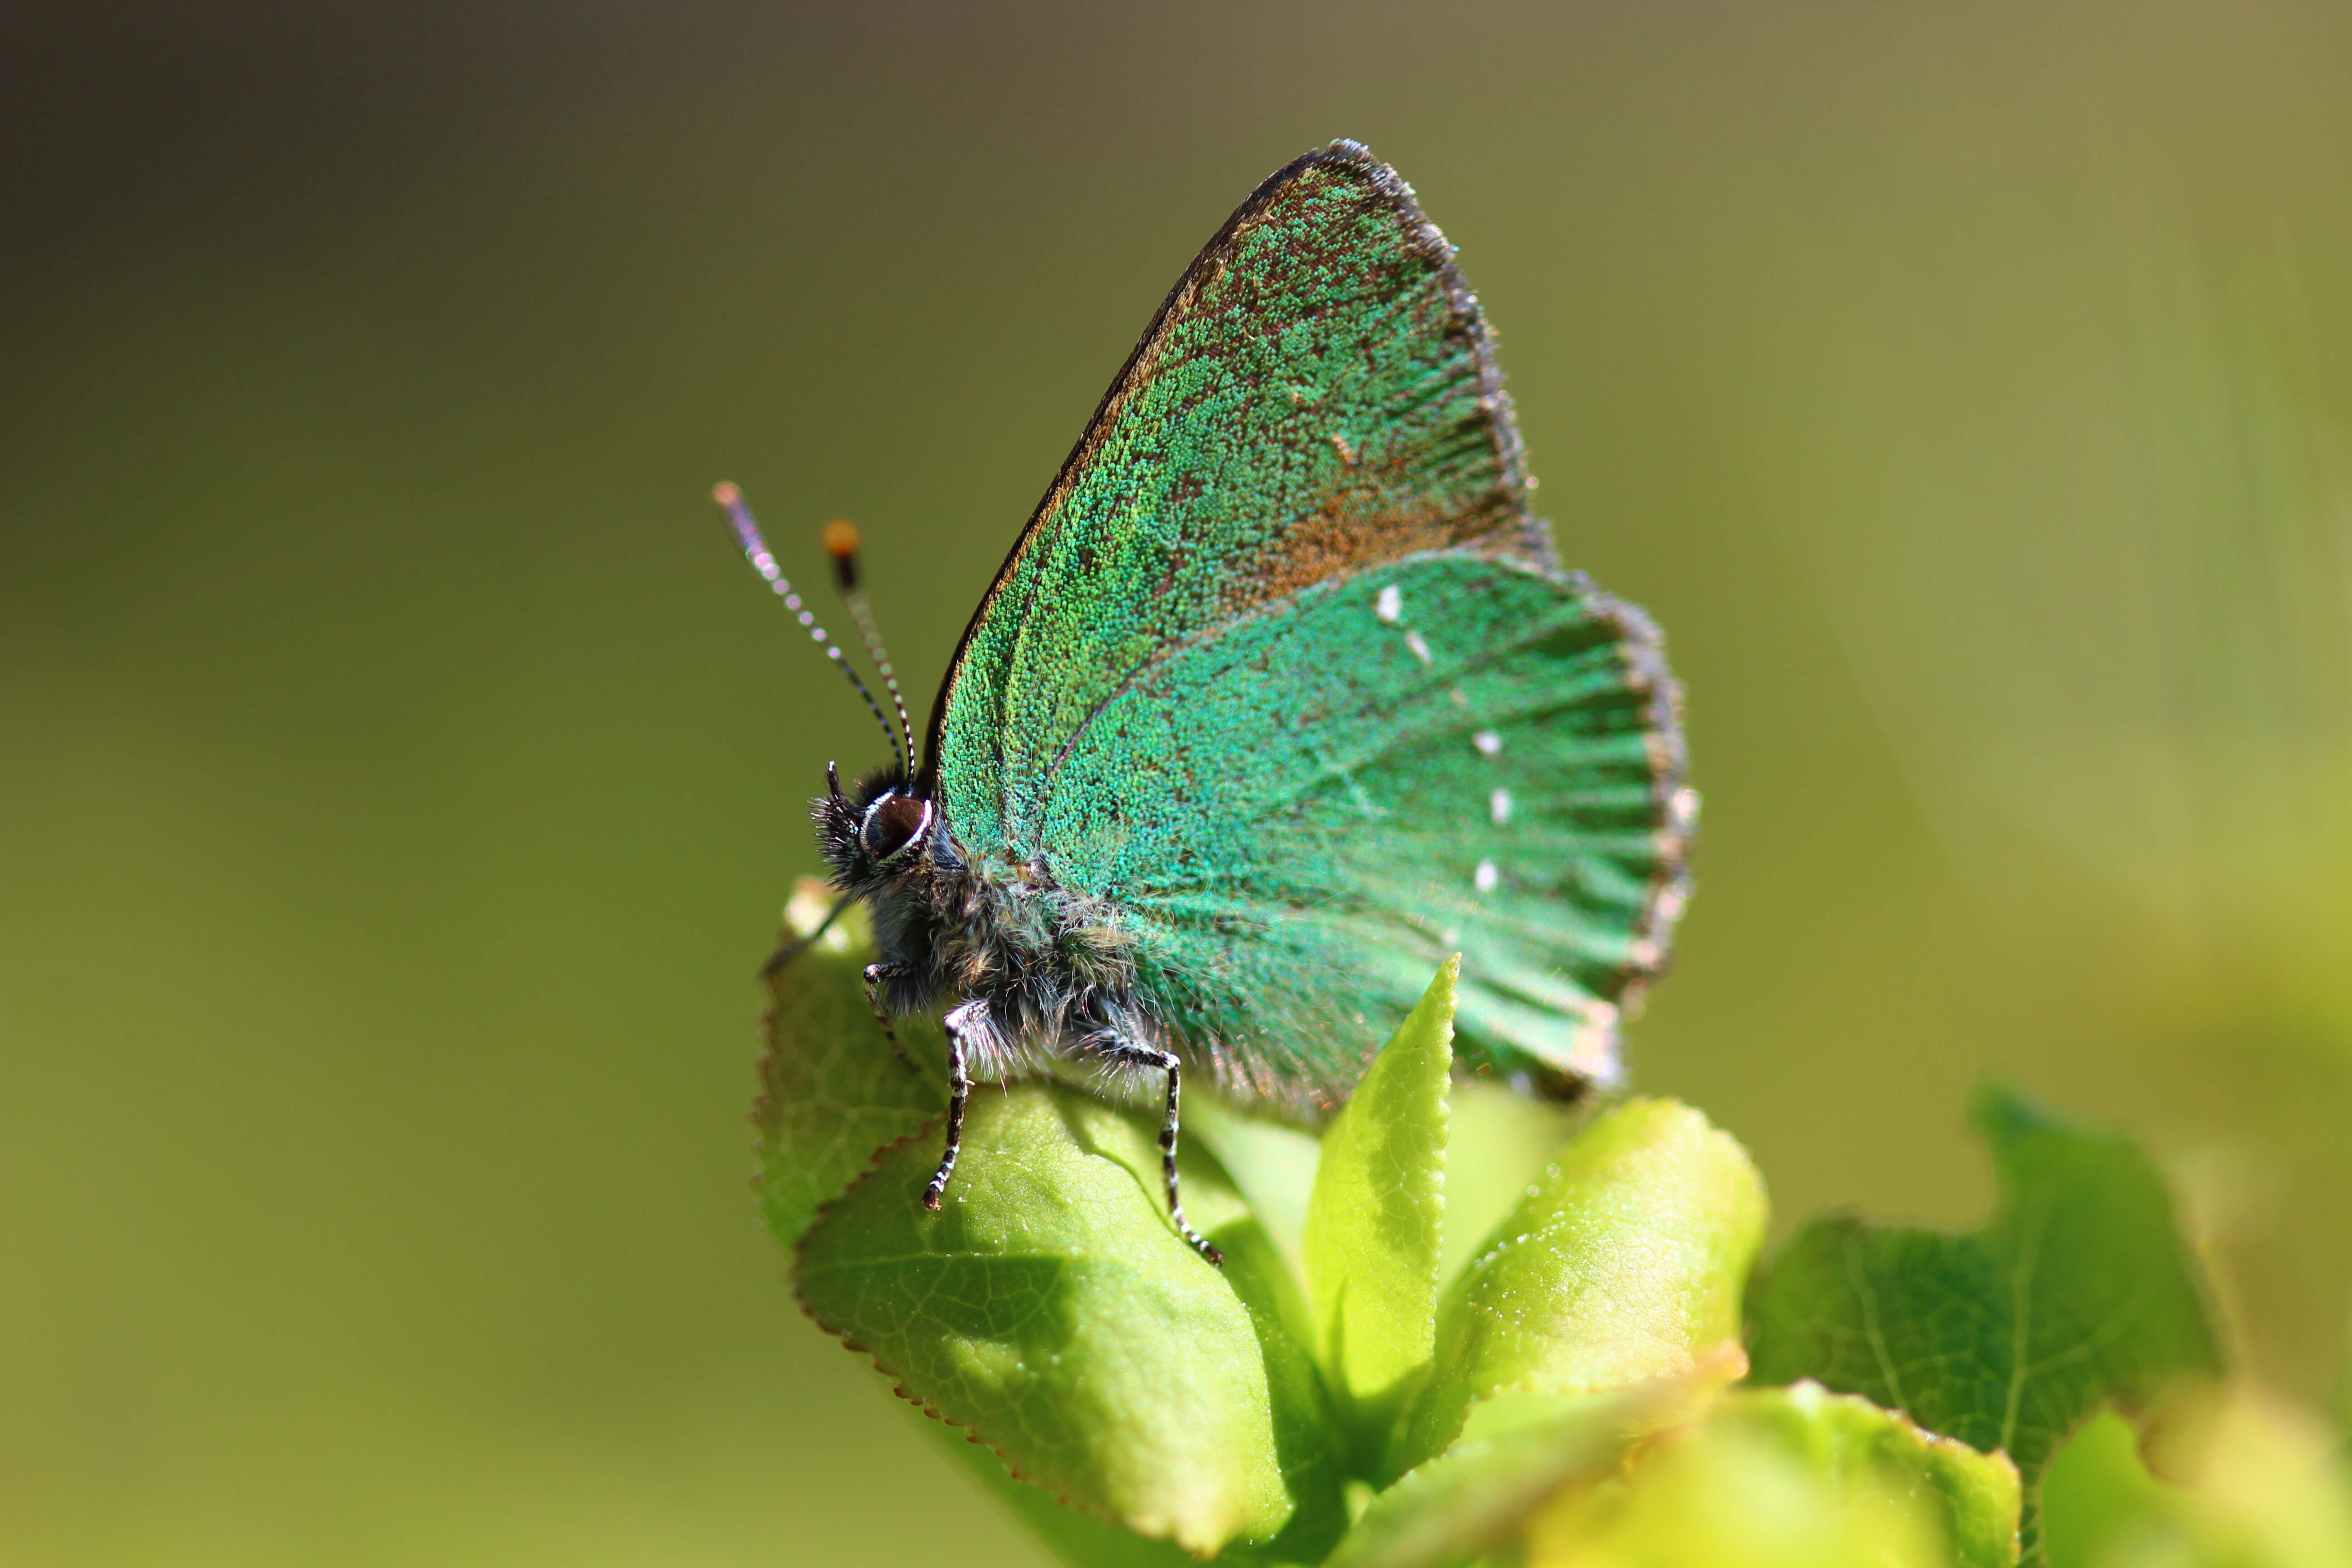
[[1052, 1309], [1372, 1225], [1624, 1262], [1480, 1494], [1794, 1477]]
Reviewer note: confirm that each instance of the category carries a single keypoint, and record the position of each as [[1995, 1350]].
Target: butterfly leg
[[1146, 1055], [958, 1022], [876, 974]]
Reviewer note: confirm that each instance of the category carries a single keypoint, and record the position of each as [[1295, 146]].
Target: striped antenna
[[764, 561], [841, 543]]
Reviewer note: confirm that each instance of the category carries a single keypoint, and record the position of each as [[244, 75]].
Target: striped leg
[[1146, 1055], [876, 974], [958, 1022]]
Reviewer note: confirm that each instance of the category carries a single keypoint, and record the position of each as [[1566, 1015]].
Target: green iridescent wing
[[1284, 670]]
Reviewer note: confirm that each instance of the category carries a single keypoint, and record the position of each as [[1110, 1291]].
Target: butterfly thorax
[[1052, 963]]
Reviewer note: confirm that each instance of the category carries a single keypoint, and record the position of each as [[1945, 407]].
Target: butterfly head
[[876, 833]]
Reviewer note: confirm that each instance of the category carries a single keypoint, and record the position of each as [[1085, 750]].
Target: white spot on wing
[[1488, 742], [1420, 648], [1485, 876], [1499, 803], [1391, 603]]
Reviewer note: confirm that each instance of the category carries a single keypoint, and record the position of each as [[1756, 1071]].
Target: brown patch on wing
[[1355, 530]]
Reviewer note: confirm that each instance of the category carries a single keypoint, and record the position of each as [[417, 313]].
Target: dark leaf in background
[[2078, 1293]]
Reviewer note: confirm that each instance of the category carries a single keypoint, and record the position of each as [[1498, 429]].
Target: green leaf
[[1497, 1140], [1480, 1494], [2267, 1493], [1050, 1309], [831, 1090], [1794, 1477], [2077, 1293], [1372, 1225], [1623, 1263]]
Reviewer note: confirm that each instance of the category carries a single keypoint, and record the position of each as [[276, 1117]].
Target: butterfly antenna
[[764, 561], [841, 543]]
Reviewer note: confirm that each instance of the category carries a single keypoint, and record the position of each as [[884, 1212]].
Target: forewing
[[1316, 396]]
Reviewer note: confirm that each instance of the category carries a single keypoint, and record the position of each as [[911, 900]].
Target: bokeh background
[[400, 774]]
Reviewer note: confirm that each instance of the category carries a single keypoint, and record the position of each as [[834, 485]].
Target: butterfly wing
[[1283, 668]]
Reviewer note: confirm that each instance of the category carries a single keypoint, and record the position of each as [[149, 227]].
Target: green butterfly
[[1280, 698]]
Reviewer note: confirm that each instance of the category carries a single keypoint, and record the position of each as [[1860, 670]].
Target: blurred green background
[[400, 774]]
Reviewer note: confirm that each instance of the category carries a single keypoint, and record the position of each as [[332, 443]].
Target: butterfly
[[1281, 696]]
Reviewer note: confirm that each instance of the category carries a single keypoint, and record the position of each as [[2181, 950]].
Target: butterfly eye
[[892, 823]]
